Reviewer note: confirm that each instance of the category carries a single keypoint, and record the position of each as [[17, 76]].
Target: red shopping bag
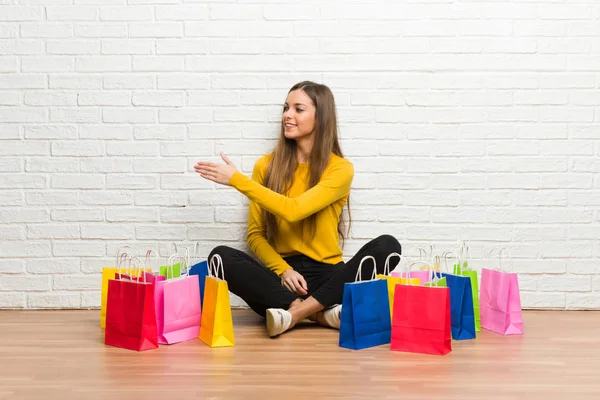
[[130, 317], [421, 320]]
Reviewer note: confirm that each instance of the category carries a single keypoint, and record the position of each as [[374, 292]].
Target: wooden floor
[[61, 355]]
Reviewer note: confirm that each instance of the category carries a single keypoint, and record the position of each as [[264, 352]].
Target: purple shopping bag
[[500, 301]]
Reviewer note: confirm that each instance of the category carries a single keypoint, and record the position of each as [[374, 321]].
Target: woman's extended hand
[[294, 282], [219, 173]]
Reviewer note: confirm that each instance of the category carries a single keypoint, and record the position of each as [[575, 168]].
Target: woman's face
[[298, 115]]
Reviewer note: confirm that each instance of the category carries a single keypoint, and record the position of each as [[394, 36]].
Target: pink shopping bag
[[178, 312], [500, 301]]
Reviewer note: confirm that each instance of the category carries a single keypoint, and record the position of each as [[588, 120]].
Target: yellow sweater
[[327, 199]]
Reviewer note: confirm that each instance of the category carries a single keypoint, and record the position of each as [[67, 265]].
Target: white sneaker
[[278, 321], [332, 316]]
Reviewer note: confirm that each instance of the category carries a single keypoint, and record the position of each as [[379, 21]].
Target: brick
[[129, 115], [584, 198], [73, 47], [11, 165], [107, 63], [24, 283], [165, 199], [159, 99], [17, 114], [183, 81], [565, 283], [90, 299], [566, 148], [159, 166], [23, 181], [159, 132], [488, 198], [461, 181], [581, 301], [403, 214], [76, 282], [71, 181], [104, 132], [75, 82], [183, 215], [185, 115], [534, 300], [540, 197], [101, 30], [11, 132], [450, 215], [131, 214], [567, 180], [214, 198], [52, 231], [72, 13], [10, 99], [51, 132], [53, 266], [194, 12], [104, 99], [158, 63], [126, 13], [87, 148], [54, 300], [558, 250], [129, 82], [106, 165], [77, 215], [394, 181], [509, 181], [12, 232], [125, 47], [49, 198], [231, 215], [582, 267], [131, 182], [106, 198], [15, 13], [222, 233], [156, 30], [431, 233], [12, 300], [11, 197], [160, 232], [8, 266], [226, 29], [107, 231], [78, 249], [81, 115], [491, 233], [132, 149]]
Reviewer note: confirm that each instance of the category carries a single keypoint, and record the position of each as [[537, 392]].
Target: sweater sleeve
[[334, 184], [256, 237]]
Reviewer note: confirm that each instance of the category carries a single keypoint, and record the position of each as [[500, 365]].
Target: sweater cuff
[[237, 178]]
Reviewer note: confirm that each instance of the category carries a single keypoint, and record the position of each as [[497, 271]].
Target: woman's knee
[[222, 251], [389, 243]]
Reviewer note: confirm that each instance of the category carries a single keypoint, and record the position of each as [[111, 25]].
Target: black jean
[[261, 288]]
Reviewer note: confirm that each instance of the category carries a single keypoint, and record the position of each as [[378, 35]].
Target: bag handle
[[139, 266], [215, 265], [147, 263], [445, 257], [386, 269], [126, 246], [465, 254], [500, 251], [358, 277], [124, 257], [433, 272], [170, 264]]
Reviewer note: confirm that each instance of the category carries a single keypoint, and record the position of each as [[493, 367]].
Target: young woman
[[295, 222]]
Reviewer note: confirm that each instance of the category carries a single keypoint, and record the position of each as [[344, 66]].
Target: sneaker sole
[[270, 323]]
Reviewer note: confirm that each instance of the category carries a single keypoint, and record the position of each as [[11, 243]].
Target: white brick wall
[[465, 119]]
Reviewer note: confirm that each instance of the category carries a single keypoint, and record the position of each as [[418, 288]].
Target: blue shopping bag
[[462, 313], [200, 269], [365, 320]]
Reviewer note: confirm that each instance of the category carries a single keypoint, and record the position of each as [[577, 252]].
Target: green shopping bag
[[436, 276], [171, 272], [462, 268]]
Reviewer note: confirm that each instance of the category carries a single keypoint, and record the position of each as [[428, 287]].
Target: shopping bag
[[462, 268], [365, 320], [500, 301], [109, 273], [216, 328], [198, 268], [461, 301], [393, 281], [130, 317], [178, 308], [421, 321]]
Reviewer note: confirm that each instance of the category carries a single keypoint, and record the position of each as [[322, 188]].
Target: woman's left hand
[[219, 173]]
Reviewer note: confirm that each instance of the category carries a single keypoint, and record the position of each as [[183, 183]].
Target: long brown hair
[[280, 171]]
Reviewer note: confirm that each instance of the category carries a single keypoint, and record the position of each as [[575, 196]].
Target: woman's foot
[[330, 317], [278, 321]]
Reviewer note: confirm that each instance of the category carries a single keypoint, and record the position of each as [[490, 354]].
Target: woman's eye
[[285, 108], [299, 110]]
